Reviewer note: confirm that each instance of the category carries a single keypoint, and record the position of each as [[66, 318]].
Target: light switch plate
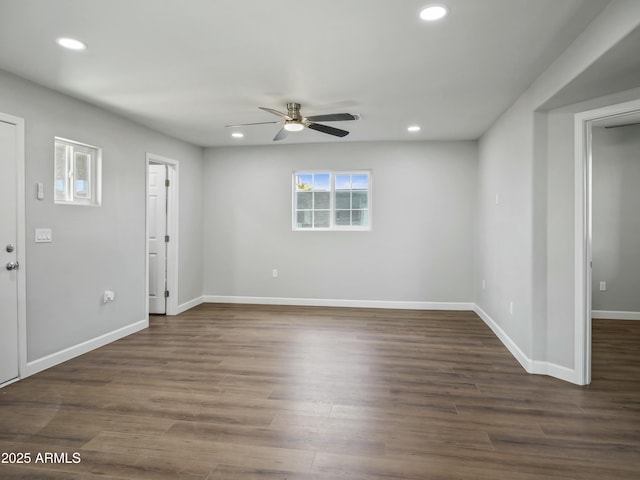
[[43, 235]]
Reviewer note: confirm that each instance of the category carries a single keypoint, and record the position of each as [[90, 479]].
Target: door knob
[[13, 266]]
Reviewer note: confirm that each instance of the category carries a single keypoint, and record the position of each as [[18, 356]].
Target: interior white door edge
[[172, 219], [157, 238], [13, 352]]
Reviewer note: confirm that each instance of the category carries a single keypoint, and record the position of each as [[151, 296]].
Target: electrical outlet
[[274, 273], [603, 286]]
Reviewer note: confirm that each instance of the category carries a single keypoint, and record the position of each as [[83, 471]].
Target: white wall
[[530, 154], [505, 225], [420, 248], [616, 222], [94, 248], [560, 214]]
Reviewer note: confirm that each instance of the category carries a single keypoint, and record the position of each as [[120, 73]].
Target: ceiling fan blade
[[276, 112], [281, 135], [245, 124], [332, 117], [327, 129]]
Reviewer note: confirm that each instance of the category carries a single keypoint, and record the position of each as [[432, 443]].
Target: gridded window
[[352, 200], [313, 200], [77, 173], [331, 200]]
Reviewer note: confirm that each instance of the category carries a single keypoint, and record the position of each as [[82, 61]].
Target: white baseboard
[[615, 315], [9, 382], [531, 366], [43, 363], [554, 370], [183, 307], [515, 350], [322, 302]]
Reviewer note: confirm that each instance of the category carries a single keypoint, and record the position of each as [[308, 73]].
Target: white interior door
[[157, 218], [8, 254]]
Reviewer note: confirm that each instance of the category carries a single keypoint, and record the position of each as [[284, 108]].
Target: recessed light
[[413, 128], [71, 43], [237, 134], [433, 13]]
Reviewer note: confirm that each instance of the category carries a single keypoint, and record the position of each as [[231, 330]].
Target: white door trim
[[172, 231], [20, 240], [582, 237]]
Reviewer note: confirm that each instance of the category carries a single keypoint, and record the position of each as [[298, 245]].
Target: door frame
[[20, 242], [172, 231], [583, 122]]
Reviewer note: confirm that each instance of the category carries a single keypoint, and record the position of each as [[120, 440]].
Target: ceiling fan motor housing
[[293, 110]]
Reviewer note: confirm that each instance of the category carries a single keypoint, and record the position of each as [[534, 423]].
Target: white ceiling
[[189, 67]]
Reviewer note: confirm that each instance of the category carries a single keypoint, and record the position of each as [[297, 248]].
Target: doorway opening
[[583, 259], [162, 235]]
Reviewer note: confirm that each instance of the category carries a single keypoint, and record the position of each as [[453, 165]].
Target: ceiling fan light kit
[[293, 126], [295, 122]]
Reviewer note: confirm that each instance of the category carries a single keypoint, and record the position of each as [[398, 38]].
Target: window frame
[[94, 169], [333, 227]]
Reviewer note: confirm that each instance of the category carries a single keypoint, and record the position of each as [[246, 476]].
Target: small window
[[331, 200], [77, 173]]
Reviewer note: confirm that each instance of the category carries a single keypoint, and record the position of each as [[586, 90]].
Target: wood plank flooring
[[300, 393]]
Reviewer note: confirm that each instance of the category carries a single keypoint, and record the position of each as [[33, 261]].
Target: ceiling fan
[[294, 121]]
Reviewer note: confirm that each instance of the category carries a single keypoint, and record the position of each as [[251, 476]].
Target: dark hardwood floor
[[300, 393]]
